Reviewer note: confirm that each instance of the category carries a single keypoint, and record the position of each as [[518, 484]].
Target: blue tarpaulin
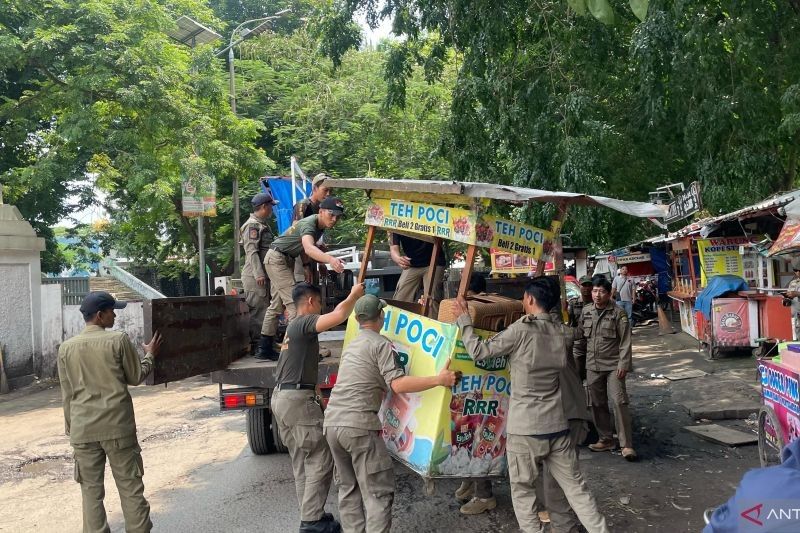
[[660, 261], [282, 191], [717, 286]]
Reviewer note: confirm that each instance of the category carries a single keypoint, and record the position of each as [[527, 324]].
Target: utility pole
[[245, 33]]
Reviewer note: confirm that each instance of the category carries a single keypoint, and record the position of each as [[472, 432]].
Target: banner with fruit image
[[458, 432], [458, 224]]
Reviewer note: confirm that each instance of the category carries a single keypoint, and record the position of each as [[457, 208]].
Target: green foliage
[[97, 95], [548, 98], [335, 120]]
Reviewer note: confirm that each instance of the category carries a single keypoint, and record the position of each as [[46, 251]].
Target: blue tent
[[717, 286], [281, 189]]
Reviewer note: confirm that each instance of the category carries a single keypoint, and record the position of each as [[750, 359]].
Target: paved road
[[201, 476]]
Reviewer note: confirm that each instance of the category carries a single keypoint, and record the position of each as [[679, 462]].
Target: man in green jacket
[[95, 368]]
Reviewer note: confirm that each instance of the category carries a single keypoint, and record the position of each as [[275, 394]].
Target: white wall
[[130, 320], [52, 329]]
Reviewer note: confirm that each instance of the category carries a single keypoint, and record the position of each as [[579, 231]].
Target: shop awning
[[505, 193], [788, 240]]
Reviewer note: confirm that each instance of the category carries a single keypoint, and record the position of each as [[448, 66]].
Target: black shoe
[[265, 350], [327, 517], [321, 526]]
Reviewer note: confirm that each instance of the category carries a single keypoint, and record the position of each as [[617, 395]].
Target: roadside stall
[[734, 244], [458, 433]]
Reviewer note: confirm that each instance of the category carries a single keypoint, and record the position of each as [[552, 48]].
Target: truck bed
[[251, 372]]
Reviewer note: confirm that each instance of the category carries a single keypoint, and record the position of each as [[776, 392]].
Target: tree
[[548, 98], [335, 120], [97, 95]]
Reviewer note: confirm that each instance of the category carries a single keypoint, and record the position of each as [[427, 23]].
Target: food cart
[[779, 417], [458, 432]]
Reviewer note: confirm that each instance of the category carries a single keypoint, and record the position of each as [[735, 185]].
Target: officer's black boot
[[265, 350], [321, 526]]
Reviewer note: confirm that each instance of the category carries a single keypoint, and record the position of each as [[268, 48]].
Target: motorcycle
[[645, 301]]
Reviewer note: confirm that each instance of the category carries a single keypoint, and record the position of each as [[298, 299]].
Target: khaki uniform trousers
[[280, 270], [526, 458], [409, 283], [256, 298], [365, 476], [299, 420], [604, 388], [125, 457], [562, 517]]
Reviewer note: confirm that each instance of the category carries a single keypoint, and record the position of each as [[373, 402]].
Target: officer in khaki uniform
[[95, 368], [299, 241], [256, 237], [575, 308], [369, 368], [415, 261], [793, 293], [296, 406], [604, 346], [537, 348], [305, 208], [576, 410]]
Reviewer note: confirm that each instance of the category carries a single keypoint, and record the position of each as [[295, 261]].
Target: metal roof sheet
[[506, 193]]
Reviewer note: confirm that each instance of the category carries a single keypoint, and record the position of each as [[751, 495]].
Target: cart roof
[[506, 193]]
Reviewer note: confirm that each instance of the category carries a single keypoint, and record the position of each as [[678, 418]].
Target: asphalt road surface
[[201, 476]]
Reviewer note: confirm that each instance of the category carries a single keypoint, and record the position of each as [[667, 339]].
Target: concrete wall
[[20, 329], [52, 329], [20, 297], [130, 320]]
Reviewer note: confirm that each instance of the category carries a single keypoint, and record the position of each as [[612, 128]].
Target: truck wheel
[[769, 448], [259, 433], [277, 443]]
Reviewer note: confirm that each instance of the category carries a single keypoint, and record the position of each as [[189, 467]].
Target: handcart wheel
[[430, 487], [769, 452]]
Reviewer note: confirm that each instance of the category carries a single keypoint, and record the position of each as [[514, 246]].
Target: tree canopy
[[550, 97]]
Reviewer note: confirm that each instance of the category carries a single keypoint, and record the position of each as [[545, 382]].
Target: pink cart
[[779, 417]]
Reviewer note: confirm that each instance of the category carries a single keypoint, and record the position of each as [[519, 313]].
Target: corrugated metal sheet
[[201, 334], [506, 193]]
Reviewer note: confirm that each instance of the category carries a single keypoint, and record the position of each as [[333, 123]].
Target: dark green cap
[[368, 307], [585, 279]]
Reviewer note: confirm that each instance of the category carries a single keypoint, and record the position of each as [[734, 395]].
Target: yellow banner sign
[[720, 256], [443, 432], [457, 224]]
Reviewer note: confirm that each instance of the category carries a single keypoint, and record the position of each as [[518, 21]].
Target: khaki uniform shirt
[[603, 339], [572, 392], [574, 310], [537, 348], [95, 368], [794, 285], [291, 241], [256, 237], [368, 366]]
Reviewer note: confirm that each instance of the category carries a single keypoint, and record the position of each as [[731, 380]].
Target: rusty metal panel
[[201, 334]]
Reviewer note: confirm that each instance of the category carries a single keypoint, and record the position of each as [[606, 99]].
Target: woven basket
[[491, 312]]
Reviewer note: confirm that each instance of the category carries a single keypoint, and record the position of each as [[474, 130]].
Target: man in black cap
[[95, 368], [297, 242], [256, 237]]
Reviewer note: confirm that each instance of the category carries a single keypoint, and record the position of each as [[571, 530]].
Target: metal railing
[[130, 280], [73, 290]]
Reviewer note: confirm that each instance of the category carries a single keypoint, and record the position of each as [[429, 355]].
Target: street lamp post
[[246, 33], [192, 33]]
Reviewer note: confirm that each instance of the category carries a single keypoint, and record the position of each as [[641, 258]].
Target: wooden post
[[555, 228], [693, 276], [362, 273], [437, 247], [469, 263]]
